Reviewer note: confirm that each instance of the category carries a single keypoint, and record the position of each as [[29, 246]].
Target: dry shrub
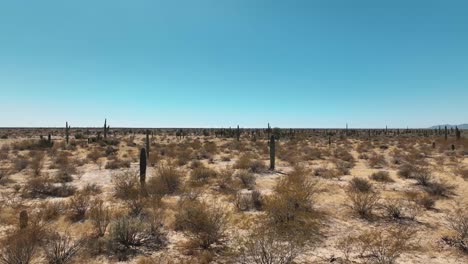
[[463, 172], [290, 210], [267, 246], [248, 200], [52, 210], [60, 248], [126, 184], [343, 167], [246, 162], [205, 224], [117, 163], [439, 188], [78, 206], [167, 181], [37, 162], [226, 182], [325, 172], [202, 175], [360, 185], [132, 235], [363, 202], [41, 187], [20, 163], [343, 154], [246, 178], [382, 246], [99, 214], [458, 223], [95, 154], [381, 176], [21, 246], [421, 199], [377, 161], [410, 171], [400, 209]]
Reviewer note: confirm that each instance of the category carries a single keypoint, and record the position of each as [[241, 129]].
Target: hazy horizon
[[311, 64]]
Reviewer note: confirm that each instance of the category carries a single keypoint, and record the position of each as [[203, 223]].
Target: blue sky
[[221, 63]]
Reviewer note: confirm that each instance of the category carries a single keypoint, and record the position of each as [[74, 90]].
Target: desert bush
[[78, 206], [246, 162], [226, 182], [343, 154], [266, 246], [246, 178], [94, 155], [167, 181], [326, 173], [343, 167], [363, 202], [458, 223], [130, 235], [117, 163], [126, 184], [202, 175], [377, 161], [52, 210], [290, 210], [410, 171], [382, 246], [249, 200], [205, 224], [99, 214], [360, 185], [400, 209], [20, 163], [41, 187], [381, 176], [21, 246], [463, 172], [37, 162], [439, 188], [60, 248]]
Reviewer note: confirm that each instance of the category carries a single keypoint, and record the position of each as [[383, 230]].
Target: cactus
[[446, 133], [23, 219], [147, 144], [142, 166], [268, 131], [105, 128], [67, 132], [238, 133], [49, 139], [329, 141], [453, 147], [272, 152], [457, 133], [433, 145]]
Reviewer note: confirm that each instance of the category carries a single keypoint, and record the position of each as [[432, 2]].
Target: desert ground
[[212, 196]]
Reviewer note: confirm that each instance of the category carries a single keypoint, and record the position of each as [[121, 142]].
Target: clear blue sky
[[226, 62]]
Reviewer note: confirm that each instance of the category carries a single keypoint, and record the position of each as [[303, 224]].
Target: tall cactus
[[272, 152], [142, 166], [49, 139], [23, 219], [67, 132], [446, 133], [238, 133], [147, 143], [268, 131], [105, 128], [457, 133]]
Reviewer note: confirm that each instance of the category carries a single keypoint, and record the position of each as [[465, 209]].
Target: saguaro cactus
[[105, 128], [272, 152], [446, 133], [147, 143], [142, 166], [457, 133], [67, 132], [49, 139], [268, 131], [238, 133], [23, 219]]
